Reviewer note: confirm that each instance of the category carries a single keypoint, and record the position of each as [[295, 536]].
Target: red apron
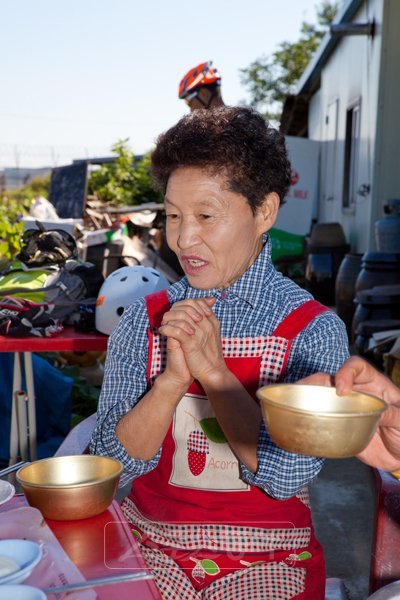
[[194, 512]]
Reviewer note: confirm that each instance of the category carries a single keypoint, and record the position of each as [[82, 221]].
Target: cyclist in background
[[201, 87]]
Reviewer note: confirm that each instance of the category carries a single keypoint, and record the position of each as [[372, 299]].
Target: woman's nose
[[187, 235]]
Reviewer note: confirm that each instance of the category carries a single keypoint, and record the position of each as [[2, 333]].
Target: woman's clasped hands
[[194, 348]]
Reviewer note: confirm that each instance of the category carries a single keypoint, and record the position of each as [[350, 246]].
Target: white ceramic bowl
[[25, 553], [21, 592], [7, 491]]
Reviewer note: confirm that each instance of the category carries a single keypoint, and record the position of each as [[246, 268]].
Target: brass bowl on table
[[315, 421], [65, 488]]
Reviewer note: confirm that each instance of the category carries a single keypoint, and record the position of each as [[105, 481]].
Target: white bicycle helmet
[[121, 288]]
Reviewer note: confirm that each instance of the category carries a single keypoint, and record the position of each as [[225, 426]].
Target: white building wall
[[386, 172], [351, 75]]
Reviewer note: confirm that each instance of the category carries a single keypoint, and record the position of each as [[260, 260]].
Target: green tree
[[144, 191], [270, 79], [125, 180]]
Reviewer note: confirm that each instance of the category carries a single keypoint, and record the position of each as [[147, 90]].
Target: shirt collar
[[249, 287]]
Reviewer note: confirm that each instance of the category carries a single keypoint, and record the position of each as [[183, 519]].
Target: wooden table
[[23, 412], [102, 546]]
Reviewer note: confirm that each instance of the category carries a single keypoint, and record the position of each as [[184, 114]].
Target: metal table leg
[[16, 387], [22, 419], [23, 411], [31, 400]]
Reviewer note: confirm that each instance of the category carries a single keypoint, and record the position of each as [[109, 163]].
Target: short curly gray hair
[[234, 141]]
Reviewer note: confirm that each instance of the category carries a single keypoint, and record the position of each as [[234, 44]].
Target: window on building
[[351, 155]]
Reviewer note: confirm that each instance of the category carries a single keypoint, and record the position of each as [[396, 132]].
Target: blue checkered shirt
[[252, 306]]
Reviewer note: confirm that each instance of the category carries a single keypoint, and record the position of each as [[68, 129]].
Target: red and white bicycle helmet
[[121, 288], [203, 74]]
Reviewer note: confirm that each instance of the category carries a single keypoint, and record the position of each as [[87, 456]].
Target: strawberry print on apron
[[201, 449]]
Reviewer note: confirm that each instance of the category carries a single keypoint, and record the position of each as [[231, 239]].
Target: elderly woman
[[220, 512]]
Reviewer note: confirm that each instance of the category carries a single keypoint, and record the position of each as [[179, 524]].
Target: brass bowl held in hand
[[315, 421], [65, 488]]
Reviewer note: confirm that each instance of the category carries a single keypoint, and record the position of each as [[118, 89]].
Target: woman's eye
[[205, 217], [171, 216]]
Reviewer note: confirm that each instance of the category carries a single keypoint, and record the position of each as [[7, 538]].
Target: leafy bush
[[10, 229], [39, 186], [126, 180], [13, 205]]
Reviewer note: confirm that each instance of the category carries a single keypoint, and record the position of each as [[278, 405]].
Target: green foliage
[[144, 191], [270, 79], [39, 186], [10, 228], [13, 205], [125, 181]]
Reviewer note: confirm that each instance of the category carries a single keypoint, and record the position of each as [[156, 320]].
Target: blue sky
[[77, 75]]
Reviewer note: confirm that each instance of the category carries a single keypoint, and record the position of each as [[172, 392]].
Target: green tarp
[[285, 244]]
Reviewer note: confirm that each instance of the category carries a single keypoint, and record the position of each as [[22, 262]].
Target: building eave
[[310, 80]]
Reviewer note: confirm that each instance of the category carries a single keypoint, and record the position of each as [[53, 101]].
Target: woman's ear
[[268, 211]]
